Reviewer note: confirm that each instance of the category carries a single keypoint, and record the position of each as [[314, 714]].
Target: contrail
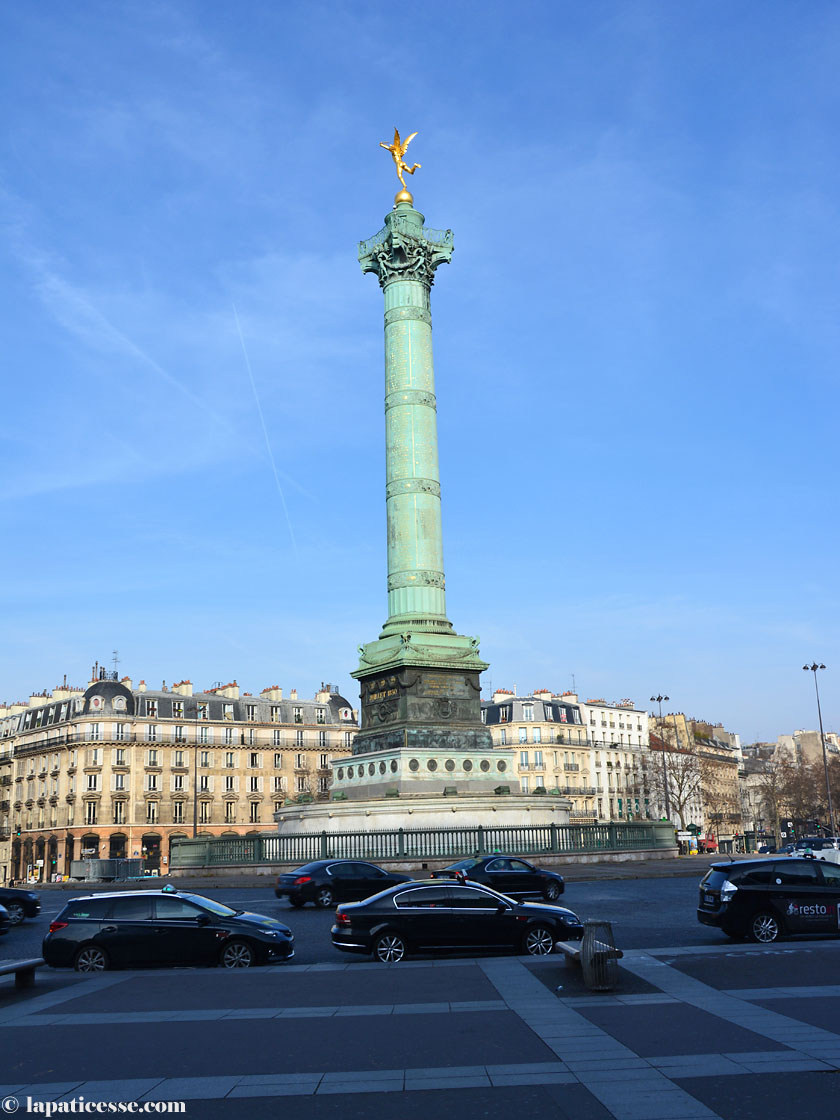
[[265, 431]]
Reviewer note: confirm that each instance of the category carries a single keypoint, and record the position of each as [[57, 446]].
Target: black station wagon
[[162, 927], [763, 899]]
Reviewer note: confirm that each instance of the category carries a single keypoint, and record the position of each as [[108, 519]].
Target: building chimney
[[293, 694], [273, 692]]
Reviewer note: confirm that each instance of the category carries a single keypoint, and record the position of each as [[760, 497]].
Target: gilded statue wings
[[402, 145]]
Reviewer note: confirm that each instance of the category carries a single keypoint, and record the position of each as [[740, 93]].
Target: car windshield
[[210, 904], [463, 865]]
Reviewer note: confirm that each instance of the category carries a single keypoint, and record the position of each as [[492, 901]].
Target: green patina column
[[404, 257], [419, 678]]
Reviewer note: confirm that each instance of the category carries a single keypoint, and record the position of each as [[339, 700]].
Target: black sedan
[[508, 875], [433, 916], [20, 904], [161, 927], [5, 924], [328, 881]]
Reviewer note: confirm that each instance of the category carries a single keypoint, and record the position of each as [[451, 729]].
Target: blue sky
[[636, 343]]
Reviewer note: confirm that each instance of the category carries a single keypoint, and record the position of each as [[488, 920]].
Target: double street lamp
[[814, 668], [658, 700]]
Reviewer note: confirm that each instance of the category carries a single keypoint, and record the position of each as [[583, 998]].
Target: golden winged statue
[[398, 150]]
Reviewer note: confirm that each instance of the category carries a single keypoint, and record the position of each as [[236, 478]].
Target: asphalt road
[[645, 913]]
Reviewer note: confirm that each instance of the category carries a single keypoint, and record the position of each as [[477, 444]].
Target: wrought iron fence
[[419, 843]]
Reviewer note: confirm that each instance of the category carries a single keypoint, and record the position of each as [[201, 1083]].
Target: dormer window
[[152, 708]]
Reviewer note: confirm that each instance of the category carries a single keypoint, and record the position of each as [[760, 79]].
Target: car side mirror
[[501, 908], [202, 920]]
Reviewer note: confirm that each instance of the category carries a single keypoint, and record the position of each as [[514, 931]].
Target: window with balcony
[[204, 812], [180, 737], [93, 782], [119, 756], [537, 735], [300, 761], [503, 737], [179, 758], [120, 732], [151, 781], [278, 761], [523, 758], [228, 735], [230, 784], [204, 734], [151, 733], [324, 761], [230, 812], [538, 760], [276, 739], [178, 812], [298, 738], [119, 812], [253, 759], [523, 734], [301, 785], [524, 785], [204, 758], [229, 760], [152, 757], [95, 732], [348, 739], [279, 784], [254, 812], [90, 812], [254, 784], [323, 785], [119, 781], [204, 783], [178, 781]]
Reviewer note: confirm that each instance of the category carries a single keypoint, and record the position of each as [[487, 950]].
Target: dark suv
[[159, 928], [765, 898]]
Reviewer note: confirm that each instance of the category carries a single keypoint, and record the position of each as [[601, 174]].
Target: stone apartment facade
[[113, 771], [590, 752]]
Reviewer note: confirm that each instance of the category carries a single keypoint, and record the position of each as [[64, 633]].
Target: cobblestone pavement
[[729, 1031]]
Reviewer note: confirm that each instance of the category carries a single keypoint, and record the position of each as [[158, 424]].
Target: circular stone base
[[423, 812]]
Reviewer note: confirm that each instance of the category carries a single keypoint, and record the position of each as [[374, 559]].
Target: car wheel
[[764, 928], [296, 903], [324, 898], [16, 914], [237, 954], [389, 948], [551, 891], [538, 941], [90, 958]]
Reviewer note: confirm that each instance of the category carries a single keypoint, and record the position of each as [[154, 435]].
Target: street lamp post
[[658, 700], [813, 668]]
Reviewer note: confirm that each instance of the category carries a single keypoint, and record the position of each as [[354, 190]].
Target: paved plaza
[[720, 1031]]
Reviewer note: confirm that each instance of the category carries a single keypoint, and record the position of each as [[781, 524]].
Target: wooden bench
[[24, 971]]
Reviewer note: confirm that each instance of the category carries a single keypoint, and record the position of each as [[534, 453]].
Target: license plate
[[709, 899]]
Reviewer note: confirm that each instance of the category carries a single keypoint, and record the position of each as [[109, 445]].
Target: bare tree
[[674, 777]]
